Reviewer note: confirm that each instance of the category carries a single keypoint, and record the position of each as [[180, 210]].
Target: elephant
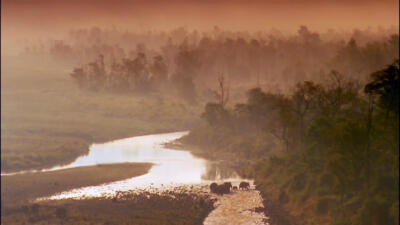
[[221, 189], [228, 184], [213, 187], [244, 185], [234, 188]]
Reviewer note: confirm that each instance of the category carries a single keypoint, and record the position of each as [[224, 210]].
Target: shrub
[[325, 204], [283, 197], [61, 213], [326, 180], [342, 222], [376, 210], [298, 183], [35, 208]]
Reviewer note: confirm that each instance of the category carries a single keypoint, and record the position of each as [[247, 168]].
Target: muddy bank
[[186, 204], [129, 208], [21, 188]]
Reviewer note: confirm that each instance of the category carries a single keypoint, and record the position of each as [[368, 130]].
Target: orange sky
[[25, 17]]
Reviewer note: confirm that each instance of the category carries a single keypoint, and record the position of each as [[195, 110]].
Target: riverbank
[[272, 207], [129, 208], [19, 189], [186, 204]]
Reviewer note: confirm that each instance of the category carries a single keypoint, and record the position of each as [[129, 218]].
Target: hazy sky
[[25, 17]]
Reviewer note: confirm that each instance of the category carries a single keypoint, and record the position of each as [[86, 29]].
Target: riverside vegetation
[[325, 154]]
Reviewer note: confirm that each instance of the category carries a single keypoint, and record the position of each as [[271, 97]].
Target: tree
[[223, 94], [80, 76], [385, 84], [159, 69], [187, 66], [336, 94], [304, 101], [215, 114]]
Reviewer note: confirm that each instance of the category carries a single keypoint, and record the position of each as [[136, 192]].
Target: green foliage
[[215, 114], [61, 213], [298, 183], [385, 84], [325, 205], [376, 210], [342, 222], [283, 197], [333, 148]]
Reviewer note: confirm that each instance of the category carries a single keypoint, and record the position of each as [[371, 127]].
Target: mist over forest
[[291, 104], [112, 59]]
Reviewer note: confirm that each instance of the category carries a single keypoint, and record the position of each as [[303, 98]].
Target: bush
[[298, 183], [394, 212], [283, 197], [342, 222], [376, 210], [61, 213], [35, 208], [326, 180], [325, 204]]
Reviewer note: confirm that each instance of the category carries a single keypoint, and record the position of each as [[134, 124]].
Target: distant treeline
[[328, 152], [268, 59]]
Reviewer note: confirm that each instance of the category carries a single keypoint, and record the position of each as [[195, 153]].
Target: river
[[172, 169]]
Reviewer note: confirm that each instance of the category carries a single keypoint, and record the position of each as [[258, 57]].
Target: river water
[[171, 167]]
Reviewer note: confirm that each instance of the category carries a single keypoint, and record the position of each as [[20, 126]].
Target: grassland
[[47, 120]]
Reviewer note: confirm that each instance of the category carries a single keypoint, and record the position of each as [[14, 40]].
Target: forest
[[189, 61], [328, 150]]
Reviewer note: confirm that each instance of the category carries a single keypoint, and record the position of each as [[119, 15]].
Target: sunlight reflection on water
[[172, 167]]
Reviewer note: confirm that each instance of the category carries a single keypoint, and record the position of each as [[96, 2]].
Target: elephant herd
[[226, 187]]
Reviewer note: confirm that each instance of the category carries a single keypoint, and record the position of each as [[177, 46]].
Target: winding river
[[171, 167]]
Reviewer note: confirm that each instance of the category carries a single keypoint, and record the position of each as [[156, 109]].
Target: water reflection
[[219, 171], [146, 148], [172, 167]]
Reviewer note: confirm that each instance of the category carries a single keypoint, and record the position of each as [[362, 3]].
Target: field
[[47, 120]]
